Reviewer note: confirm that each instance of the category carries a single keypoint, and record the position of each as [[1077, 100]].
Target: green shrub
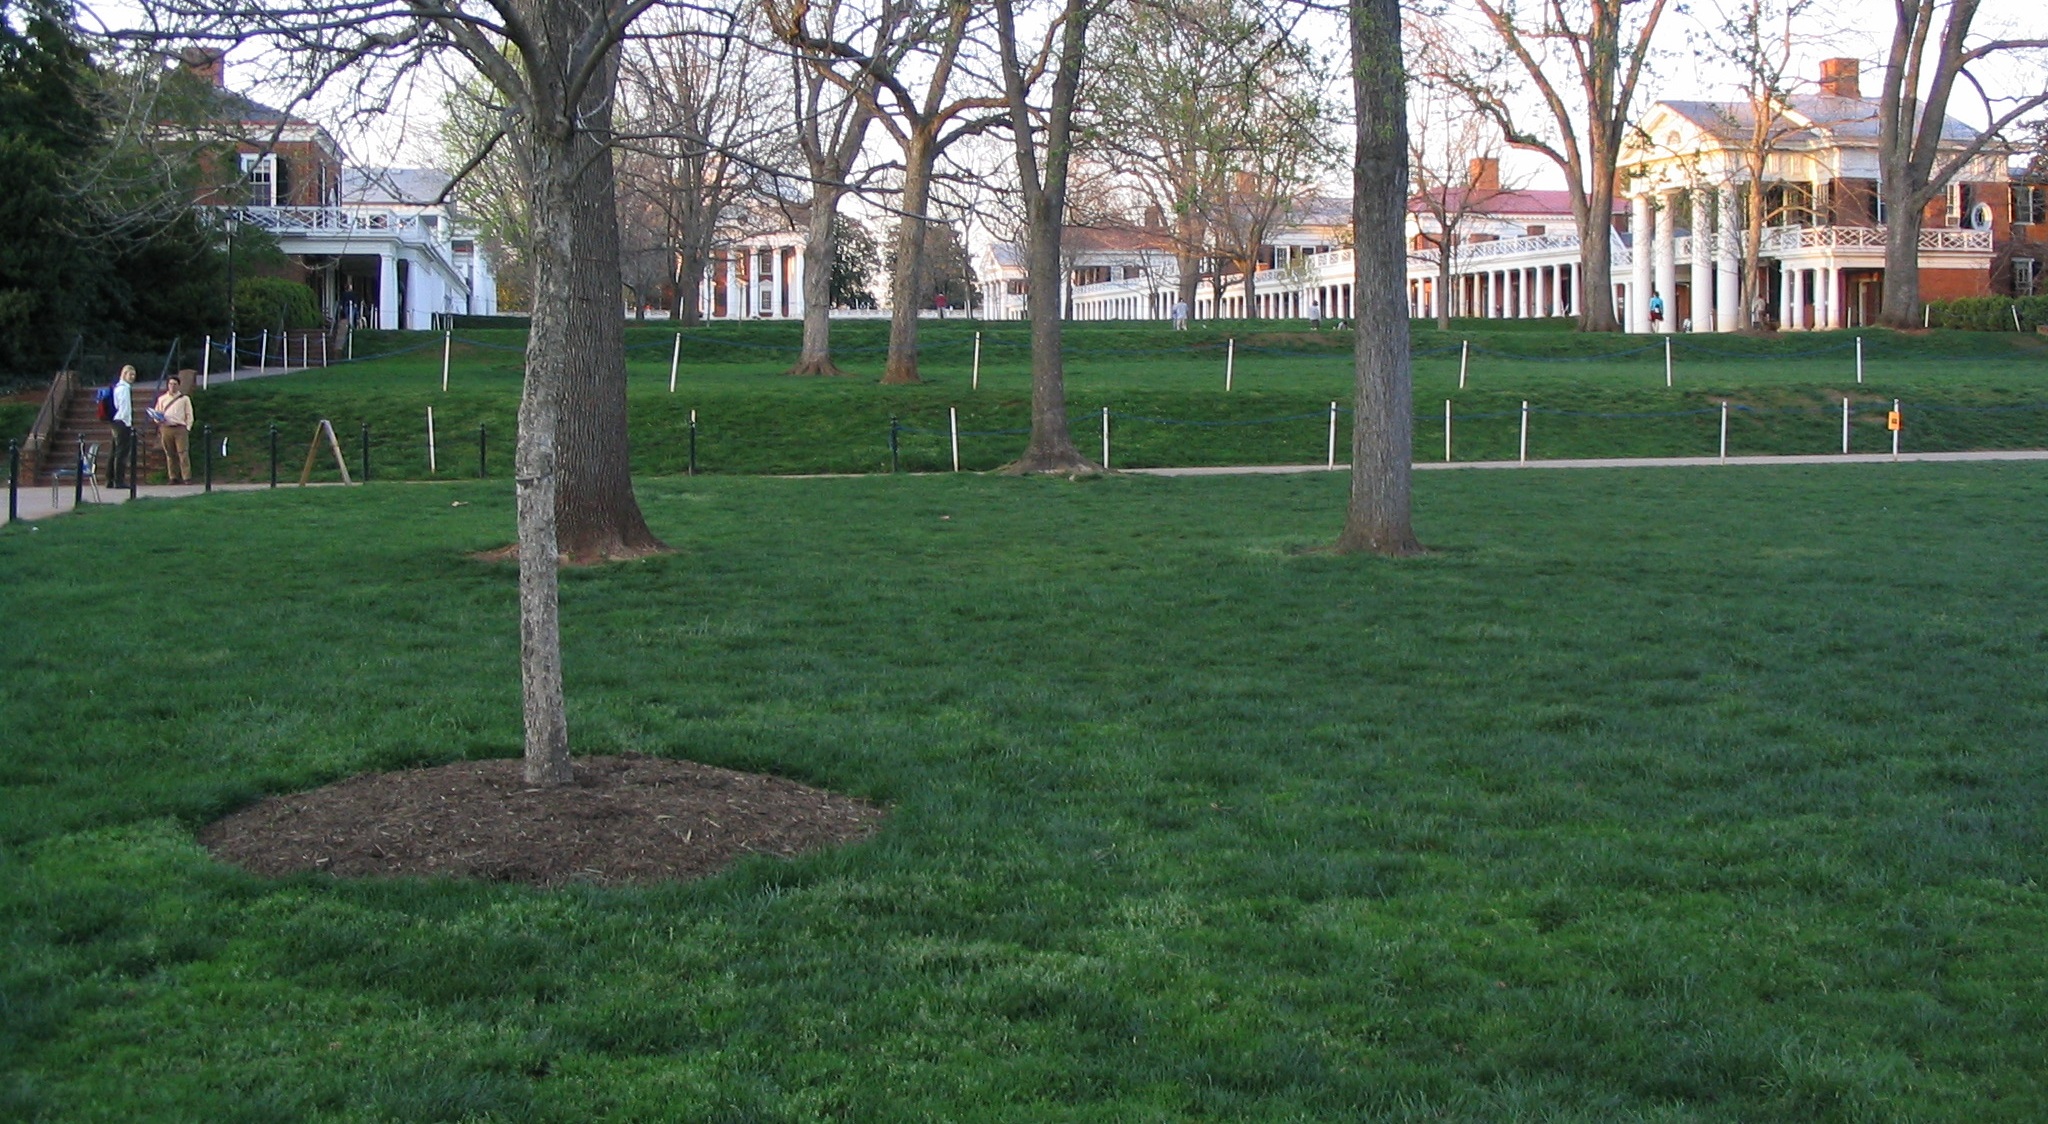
[[264, 302], [1988, 314]]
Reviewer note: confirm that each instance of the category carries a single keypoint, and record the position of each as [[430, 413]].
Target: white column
[[1788, 281], [387, 292], [1642, 240], [796, 284], [1667, 257], [1831, 300], [1703, 241], [1729, 314]]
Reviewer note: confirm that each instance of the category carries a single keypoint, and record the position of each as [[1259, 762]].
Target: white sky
[[408, 133]]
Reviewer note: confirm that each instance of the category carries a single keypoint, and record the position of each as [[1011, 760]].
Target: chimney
[[1155, 218], [1482, 173], [208, 64], [1839, 78]]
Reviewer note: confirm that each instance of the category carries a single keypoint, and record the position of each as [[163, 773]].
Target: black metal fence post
[[693, 443], [13, 481], [134, 463], [206, 454], [892, 444], [273, 454], [366, 452], [483, 463], [78, 478]]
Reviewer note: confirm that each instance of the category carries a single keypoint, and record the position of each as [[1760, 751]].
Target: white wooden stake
[[234, 356], [2016, 318], [1229, 364], [323, 350], [1845, 426], [447, 343], [1667, 361], [1926, 314], [432, 465], [1105, 438], [1447, 431], [1464, 359], [675, 356], [1895, 432], [263, 355], [205, 362], [977, 361], [953, 422], [1333, 437], [1525, 430], [1724, 431], [351, 344]]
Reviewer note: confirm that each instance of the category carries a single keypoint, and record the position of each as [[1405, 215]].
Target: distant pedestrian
[[1315, 315], [123, 423], [1656, 308], [1180, 316], [173, 417], [1757, 308]]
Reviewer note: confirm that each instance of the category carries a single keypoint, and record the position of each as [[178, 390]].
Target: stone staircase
[[80, 421]]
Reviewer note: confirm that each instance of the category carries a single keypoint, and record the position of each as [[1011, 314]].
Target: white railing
[[345, 222], [1515, 247], [1328, 258], [1785, 238]]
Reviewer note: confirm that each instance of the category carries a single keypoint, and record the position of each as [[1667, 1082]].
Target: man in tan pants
[[174, 428]]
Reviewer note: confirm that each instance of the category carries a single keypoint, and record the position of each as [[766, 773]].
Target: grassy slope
[[754, 420], [1649, 796]]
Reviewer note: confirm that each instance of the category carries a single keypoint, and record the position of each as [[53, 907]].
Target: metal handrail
[[54, 404]]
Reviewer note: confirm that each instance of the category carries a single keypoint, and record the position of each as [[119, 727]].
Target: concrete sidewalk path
[[36, 503], [1622, 462]]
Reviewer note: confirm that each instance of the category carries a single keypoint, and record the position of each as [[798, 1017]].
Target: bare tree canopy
[[1932, 50], [1583, 59]]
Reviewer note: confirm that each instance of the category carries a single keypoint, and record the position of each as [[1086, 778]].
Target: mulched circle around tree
[[625, 819]]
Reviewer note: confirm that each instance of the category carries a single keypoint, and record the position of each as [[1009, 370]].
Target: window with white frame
[[2026, 276], [2029, 204], [260, 173]]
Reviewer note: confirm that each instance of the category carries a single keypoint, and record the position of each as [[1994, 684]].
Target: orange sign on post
[[1893, 422]]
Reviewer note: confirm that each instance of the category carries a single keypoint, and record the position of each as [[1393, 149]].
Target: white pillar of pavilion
[[1729, 314], [796, 282], [1830, 306], [1703, 242], [1642, 236], [1667, 257]]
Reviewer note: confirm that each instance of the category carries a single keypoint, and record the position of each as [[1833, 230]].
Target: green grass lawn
[[1654, 795], [1593, 396]]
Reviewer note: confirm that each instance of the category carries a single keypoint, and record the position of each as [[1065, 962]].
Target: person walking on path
[[1180, 316], [1315, 315], [173, 417], [123, 422], [1657, 309]]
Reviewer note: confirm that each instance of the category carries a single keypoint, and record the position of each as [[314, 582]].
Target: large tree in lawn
[[1583, 59], [555, 64], [1382, 435], [907, 79], [1931, 50], [1044, 138]]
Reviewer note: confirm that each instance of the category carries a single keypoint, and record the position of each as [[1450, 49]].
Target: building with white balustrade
[[1676, 233], [757, 275], [379, 247]]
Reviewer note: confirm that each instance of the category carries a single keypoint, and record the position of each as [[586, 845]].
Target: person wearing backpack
[[173, 417], [123, 422]]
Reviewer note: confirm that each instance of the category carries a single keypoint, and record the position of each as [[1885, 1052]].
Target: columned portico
[[1729, 314], [1667, 258], [1642, 235], [1702, 304]]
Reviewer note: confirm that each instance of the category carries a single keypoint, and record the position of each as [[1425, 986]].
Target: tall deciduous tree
[[555, 63], [1454, 163], [832, 123], [1583, 57], [1044, 139], [1932, 49], [908, 82], [1382, 437]]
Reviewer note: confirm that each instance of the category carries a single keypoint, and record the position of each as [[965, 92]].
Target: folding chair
[[89, 459]]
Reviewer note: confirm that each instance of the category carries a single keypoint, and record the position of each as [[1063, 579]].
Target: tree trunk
[[904, 298], [1249, 269], [820, 252], [598, 518], [1188, 265], [1446, 260], [1382, 437], [1596, 257], [1900, 301]]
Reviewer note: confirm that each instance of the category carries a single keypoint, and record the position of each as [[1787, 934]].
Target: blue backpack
[[104, 396]]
